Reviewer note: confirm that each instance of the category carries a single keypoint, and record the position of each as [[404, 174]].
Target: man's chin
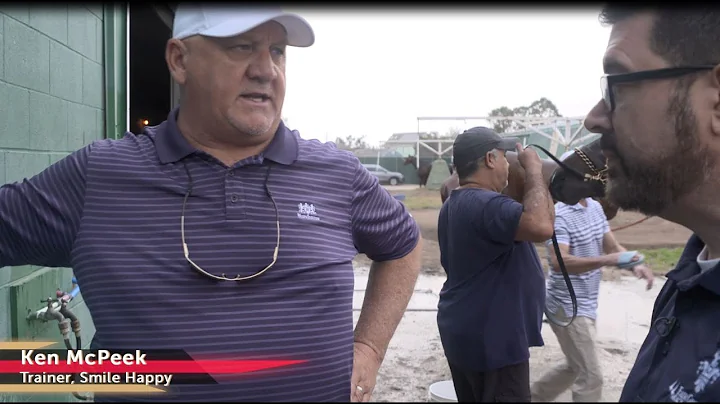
[[619, 193], [254, 127], [624, 195]]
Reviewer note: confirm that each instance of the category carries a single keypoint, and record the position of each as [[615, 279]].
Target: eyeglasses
[[609, 80], [222, 276]]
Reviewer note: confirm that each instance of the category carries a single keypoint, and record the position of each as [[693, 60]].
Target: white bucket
[[443, 392]]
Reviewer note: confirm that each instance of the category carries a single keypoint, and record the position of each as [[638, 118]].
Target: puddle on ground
[[425, 297], [624, 308]]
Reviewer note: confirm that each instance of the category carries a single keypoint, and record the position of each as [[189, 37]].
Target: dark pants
[[508, 384]]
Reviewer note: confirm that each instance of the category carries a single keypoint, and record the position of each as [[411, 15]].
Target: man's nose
[[598, 119], [262, 67]]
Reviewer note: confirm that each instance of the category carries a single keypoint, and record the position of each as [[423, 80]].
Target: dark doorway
[[150, 94]]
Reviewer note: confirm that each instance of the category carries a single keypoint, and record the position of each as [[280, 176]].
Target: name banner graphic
[[31, 367]]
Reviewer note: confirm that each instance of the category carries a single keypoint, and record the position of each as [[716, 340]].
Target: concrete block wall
[[51, 103]]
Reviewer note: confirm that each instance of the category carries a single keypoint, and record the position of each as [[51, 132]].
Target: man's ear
[[715, 118], [490, 159], [175, 57]]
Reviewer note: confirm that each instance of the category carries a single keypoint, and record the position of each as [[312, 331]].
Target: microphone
[[664, 326]]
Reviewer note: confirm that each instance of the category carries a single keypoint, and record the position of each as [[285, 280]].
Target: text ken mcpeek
[[30, 357]]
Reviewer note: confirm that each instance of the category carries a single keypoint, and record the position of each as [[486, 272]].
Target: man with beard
[[660, 122], [587, 245]]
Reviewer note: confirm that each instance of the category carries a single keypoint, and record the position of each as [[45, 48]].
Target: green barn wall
[[52, 98]]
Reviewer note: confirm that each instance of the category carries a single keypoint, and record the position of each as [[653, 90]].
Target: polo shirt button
[[234, 198], [231, 173]]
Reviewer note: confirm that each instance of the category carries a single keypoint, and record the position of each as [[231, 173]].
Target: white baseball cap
[[221, 20]]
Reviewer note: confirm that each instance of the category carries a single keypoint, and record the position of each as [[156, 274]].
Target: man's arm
[[536, 222], [40, 216], [384, 231], [610, 243], [505, 220], [575, 265], [611, 246]]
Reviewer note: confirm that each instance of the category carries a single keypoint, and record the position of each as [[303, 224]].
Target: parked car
[[384, 175]]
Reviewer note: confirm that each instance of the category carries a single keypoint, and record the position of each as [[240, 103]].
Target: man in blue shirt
[[491, 306], [660, 123], [221, 230]]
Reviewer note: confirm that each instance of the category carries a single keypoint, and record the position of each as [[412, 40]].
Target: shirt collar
[[687, 273], [172, 146], [575, 207]]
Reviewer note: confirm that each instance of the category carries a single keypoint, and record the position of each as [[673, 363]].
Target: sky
[[372, 73]]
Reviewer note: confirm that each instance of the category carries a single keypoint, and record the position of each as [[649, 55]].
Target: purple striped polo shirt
[[111, 211]]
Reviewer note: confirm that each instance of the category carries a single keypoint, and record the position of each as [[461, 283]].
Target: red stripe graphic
[[152, 366]]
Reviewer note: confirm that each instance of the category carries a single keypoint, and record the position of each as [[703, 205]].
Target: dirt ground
[[415, 358]]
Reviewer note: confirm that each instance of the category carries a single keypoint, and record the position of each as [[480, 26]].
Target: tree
[[542, 108], [502, 126], [452, 133], [351, 143], [434, 135]]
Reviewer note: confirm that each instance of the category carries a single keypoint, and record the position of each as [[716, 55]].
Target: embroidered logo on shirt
[[708, 372], [307, 212]]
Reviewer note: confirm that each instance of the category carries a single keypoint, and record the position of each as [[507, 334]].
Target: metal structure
[[561, 131], [414, 139]]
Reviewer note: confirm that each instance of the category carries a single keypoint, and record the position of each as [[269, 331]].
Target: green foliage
[[542, 108]]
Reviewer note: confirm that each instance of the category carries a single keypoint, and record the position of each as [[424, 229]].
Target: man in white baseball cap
[[228, 135], [230, 64], [231, 237], [226, 21]]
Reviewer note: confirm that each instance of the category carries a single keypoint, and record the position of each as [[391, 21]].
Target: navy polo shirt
[[491, 305], [681, 362], [111, 211]]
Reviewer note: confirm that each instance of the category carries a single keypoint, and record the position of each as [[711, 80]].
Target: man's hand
[[611, 260], [528, 159], [643, 272], [366, 364]]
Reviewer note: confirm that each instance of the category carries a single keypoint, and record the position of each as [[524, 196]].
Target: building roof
[[385, 152], [548, 130], [405, 137], [411, 138]]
